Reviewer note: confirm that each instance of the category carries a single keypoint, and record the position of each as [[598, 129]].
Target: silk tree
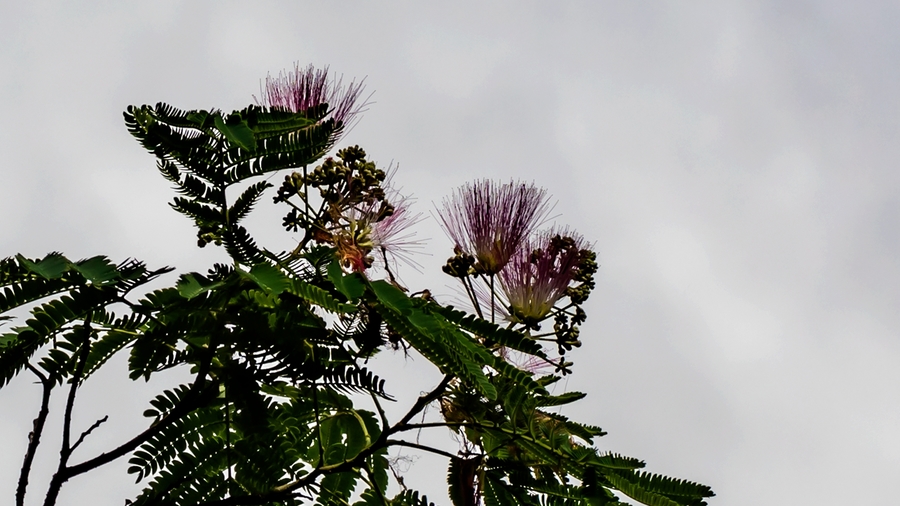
[[284, 404]]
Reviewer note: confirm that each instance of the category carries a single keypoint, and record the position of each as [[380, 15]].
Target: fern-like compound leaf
[[245, 202]]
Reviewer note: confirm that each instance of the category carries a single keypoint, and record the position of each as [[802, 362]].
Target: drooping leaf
[[268, 277], [461, 481], [241, 246], [319, 296], [192, 284], [351, 285], [392, 297], [51, 266], [98, 270], [236, 130]]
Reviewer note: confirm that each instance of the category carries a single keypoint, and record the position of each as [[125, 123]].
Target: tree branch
[[183, 408], [65, 450], [429, 425], [410, 444], [64, 473], [34, 438], [421, 402], [87, 432]]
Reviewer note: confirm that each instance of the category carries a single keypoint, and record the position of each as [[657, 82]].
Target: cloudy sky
[[734, 162]]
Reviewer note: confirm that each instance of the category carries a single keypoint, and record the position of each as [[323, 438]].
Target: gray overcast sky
[[734, 162]]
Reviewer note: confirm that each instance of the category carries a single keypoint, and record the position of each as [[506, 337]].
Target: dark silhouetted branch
[[90, 429], [34, 438], [65, 450]]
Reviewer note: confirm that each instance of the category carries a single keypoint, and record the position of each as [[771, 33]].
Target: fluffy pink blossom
[[489, 220], [389, 238], [539, 273], [304, 90]]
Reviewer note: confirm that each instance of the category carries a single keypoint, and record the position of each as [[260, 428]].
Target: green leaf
[[287, 149], [105, 348], [496, 493], [319, 296], [241, 246], [615, 461], [51, 267], [670, 486], [344, 436], [378, 462], [410, 497], [244, 204], [355, 379], [506, 337], [638, 493], [30, 289], [47, 321], [391, 296], [198, 117], [98, 270], [461, 481], [336, 488], [236, 130], [351, 286], [193, 284], [268, 277], [201, 213], [559, 400], [370, 497]]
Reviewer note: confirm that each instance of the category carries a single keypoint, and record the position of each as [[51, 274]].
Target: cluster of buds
[[359, 214], [460, 265]]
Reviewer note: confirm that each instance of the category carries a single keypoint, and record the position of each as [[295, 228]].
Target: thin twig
[[87, 432], [184, 407], [34, 438], [493, 296], [400, 442], [421, 402], [374, 484], [470, 291], [65, 450], [387, 269]]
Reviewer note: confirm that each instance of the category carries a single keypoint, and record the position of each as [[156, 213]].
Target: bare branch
[[421, 402], [183, 408], [87, 432], [34, 438], [410, 444], [65, 450], [429, 425], [187, 405]]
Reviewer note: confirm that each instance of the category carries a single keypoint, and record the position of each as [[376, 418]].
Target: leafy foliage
[[284, 406]]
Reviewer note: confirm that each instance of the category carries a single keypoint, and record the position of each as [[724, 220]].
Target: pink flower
[[538, 275], [489, 220], [306, 90], [392, 235], [387, 238]]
